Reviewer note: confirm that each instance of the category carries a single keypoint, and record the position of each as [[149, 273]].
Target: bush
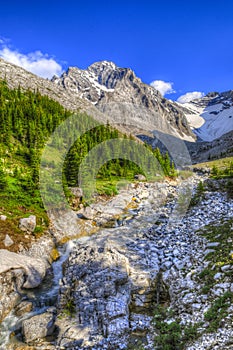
[[218, 311], [172, 336]]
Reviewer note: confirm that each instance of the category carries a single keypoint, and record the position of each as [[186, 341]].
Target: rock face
[[103, 298], [111, 280], [34, 269], [115, 279], [10, 285], [107, 290], [208, 150], [39, 326], [125, 99]]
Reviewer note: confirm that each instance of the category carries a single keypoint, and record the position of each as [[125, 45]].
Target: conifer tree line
[[27, 119]]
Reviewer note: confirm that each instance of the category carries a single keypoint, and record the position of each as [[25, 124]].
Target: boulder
[[39, 326], [34, 269], [28, 224], [140, 177], [88, 213]]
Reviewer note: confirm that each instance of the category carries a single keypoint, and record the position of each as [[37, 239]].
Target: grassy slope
[[221, 163], [17, 202]]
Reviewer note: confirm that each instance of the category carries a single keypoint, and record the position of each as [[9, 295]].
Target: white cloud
[[164, 87], [35, 62], [3, 40], [189, 96]]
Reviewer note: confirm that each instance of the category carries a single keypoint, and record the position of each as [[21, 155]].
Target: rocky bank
[[152, 254]]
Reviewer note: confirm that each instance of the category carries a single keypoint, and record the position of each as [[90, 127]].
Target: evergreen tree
[[27, 119], [3, 181]]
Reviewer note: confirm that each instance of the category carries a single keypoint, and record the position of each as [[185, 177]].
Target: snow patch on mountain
[[211, 116], [216, 123]]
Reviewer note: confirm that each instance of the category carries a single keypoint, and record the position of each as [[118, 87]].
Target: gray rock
[[8, 241], [140, 322], [28, 224], [224, 286], [212, 244], [189, 298], [166, 265], [208, 251], [179, 264], [3, 217], [11, 283], [226, 268], [196, 306], [39, 326], [218, 276], [34, 269], [108, 282], [176, 252], [140, 177]]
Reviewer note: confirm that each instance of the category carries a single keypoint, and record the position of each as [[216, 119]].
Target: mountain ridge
[[119, 93], [121, 97], [111, 93]]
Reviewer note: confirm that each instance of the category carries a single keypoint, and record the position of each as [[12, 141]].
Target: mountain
[[110, 93], [210, 150], [17, 76], [211, 116], [125, 99]]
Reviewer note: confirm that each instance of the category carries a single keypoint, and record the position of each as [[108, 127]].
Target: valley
[[138, 253]]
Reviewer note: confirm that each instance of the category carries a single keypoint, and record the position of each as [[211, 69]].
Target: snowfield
[[210, 120]]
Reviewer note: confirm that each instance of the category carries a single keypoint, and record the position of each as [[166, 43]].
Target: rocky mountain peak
[[212, 94], [122, 96], [109, 74], [99, 78], [102, 65]]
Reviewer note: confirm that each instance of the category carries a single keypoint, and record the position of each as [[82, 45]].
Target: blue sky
[[186, 43]]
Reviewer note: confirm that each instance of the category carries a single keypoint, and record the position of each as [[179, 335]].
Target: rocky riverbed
[[154, 255], [115, 279]]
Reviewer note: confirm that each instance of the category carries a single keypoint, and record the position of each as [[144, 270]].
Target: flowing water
[[42, 297], [46, 294]]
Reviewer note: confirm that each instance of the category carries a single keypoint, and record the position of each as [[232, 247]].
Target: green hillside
[[27, 119]]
